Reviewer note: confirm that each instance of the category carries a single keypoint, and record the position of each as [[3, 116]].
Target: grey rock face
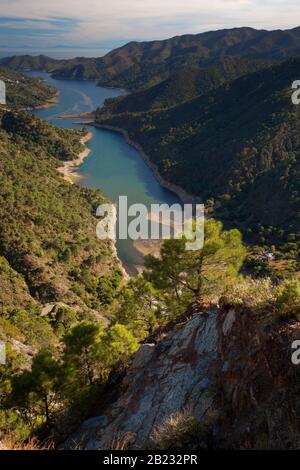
[[220, 360], [163, 379]]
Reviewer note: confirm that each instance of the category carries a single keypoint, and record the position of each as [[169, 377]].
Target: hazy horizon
[[54, 53], [95, 25], [72, 51]]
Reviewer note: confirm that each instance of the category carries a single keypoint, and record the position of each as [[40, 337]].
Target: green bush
[[183, 432], [287, 302]]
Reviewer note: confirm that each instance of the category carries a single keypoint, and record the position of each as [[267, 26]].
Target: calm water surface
[[113, 166]]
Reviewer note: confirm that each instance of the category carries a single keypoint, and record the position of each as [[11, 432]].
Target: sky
[[106, 24]]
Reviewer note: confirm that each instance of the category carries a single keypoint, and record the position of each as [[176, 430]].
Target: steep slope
[[142, 64], [184, 85], [47, 228], [229, 145], [219, 366], [14, 290]]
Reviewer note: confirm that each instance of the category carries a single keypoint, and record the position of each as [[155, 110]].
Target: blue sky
[[107, 24]]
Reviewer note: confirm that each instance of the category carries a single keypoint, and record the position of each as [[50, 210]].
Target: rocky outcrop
[[220, 360]]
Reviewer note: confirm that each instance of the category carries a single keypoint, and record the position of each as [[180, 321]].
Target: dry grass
[[122, 441], [182, 431], [277, 302], [10, 443], [250, 293]]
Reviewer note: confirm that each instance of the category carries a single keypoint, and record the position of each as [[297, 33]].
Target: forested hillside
[[237, 146], [184, 85], [47, 225], [54, 272], [214, 114], [25, 92]]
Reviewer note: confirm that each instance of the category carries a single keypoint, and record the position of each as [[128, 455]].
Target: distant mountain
[[28, 62], [141, 64], [239, 144]]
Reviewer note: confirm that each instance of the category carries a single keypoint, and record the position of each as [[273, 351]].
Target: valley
[[193, 349]]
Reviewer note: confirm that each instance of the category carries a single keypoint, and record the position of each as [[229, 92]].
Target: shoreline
[[68, 170], [53, 101], [185, 197], [76, 115], [126, 274]]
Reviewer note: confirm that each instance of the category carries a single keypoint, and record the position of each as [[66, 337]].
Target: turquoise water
[[113, 166]]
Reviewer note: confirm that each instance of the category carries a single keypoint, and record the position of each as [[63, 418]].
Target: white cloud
[[102, 20]]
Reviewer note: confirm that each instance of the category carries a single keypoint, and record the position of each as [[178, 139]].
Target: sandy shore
[[68, 170], [142, 246], [152, 247], [50, 102], [146, 247], [77, 115]]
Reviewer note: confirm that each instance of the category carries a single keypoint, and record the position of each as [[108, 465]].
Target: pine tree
[[188, 275]]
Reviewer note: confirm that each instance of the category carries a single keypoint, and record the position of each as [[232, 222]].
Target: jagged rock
[[22, 348], [163, 379], [53, 307], [221, 360]]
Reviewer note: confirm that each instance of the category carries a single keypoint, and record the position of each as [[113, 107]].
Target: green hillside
[[28, 62], [25, 92], [216, 118], [47, 226], [238, 145], [184, 85]]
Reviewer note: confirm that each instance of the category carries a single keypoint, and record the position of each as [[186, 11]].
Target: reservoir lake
[[113, 166]]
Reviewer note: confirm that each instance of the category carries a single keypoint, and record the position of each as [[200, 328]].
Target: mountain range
[[141, 64]]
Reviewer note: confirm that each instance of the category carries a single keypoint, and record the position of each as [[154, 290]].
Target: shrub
[[275, 302], [259, 293], [287, 302], [183, 431]]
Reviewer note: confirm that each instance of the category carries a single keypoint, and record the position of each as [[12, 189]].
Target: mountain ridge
[[141, 64]]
